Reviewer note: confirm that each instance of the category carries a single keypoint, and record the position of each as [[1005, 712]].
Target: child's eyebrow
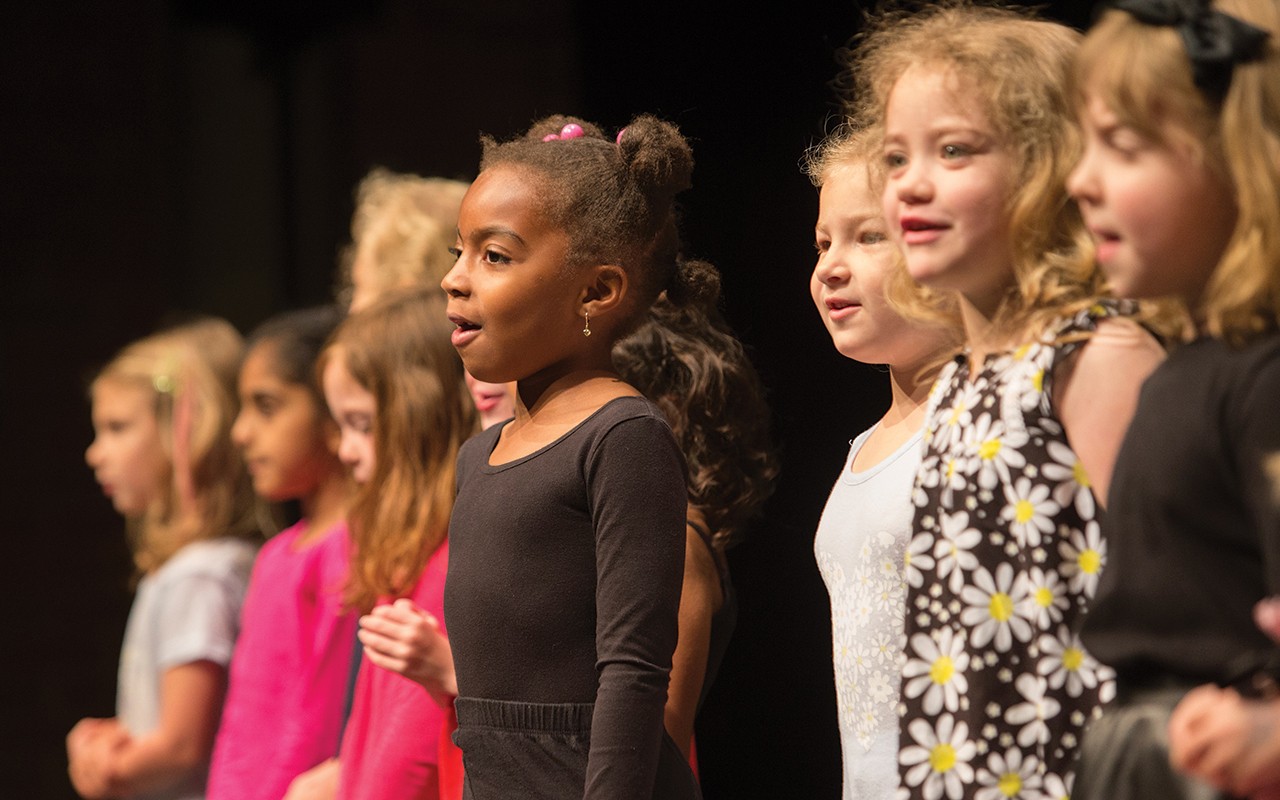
[[496, 230]]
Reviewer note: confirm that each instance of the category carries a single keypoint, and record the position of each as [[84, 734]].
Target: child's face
[[288, 444], [494, 401], [126, 456], [354, 409], [515, 304], [949, 180], [854, 256], [1161, 218]]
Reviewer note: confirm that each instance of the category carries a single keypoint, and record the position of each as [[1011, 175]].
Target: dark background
[[199, 156]]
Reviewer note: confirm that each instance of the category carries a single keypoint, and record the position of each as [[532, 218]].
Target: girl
[[400, 234], [162, 412], [284, 704], [1021, 429], [400, 237], [396, 389], [567, 537], [1179, 185], [862, 538], [687, 361]]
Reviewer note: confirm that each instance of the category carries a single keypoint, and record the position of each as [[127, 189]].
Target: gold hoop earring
[[586, 323]]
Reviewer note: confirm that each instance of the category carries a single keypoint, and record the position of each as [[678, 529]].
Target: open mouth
[[839, 308], [465, 331], [920, 231]]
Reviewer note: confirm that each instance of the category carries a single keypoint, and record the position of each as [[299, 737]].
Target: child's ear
[[606, 289]]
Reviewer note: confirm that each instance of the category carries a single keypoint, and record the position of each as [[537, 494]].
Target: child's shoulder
[[221, 557]]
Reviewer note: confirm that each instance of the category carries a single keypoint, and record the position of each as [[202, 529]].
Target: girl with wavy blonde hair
[[1021, 429], [162, 450]]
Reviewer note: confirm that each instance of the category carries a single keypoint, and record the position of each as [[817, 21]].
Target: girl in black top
[[1180, 104], [568, 533]]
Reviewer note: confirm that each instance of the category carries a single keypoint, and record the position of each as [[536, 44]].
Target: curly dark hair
[[687, 361], [614, 197]]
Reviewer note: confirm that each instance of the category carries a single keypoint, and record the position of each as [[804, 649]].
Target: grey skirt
[[1125, 753]]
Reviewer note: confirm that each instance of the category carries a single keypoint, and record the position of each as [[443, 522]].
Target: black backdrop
[[166, 157]]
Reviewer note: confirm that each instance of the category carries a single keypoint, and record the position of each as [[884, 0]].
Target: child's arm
[[1096, 394], [318, 783], [1227, 740], [699, 600], [107, 762], [405, 639]]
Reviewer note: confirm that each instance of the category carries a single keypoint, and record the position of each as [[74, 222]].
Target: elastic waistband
[[519, 716]]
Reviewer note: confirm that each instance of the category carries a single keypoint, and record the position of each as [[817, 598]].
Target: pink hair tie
[[570, 131], [618, 140]]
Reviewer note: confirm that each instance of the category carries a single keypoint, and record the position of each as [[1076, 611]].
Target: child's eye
[[895, 160], [494, 257], [822, 245], [954, 151], [872, 237], [456, 252]]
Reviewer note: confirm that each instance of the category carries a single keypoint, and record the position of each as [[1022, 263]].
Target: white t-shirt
[[187, 610], [861, 546]]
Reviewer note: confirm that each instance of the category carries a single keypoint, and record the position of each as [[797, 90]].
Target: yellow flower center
[[1081, 477], [1001, 606], [1024, 511], [942, 670], [989, 449], [956, 411], [951, 469], [942, 757], [1072, 658], [1089, 561], [1037, 380], [1010, 784], [1044, 597]]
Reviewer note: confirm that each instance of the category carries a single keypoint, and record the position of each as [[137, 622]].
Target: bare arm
[[701, 597], [1096, 393], [318, 783], [108, 762]]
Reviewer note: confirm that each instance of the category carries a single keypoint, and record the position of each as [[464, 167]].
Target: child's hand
[[1227, 741], [91, 749], [405, 639], [318, 783], [1267, 616]]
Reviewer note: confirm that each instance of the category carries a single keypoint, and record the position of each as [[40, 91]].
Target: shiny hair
[[1142, 73], [1016, 67], [190, 371], [687, 361], [615, 198], [399, 350], [404, 224]]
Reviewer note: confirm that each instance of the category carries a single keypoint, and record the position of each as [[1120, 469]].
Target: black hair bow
[[1215, 41]]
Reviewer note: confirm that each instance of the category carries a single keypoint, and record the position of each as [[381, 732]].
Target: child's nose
[[1081, 183], [913, 184], [831, 269], [454, 282]]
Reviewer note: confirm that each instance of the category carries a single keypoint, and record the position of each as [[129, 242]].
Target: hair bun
[[695, 283], [555, 123], [657, 155]]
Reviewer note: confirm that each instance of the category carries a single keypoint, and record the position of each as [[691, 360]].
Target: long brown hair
[[399, 350]]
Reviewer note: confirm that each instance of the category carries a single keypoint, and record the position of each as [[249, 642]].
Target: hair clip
[[570, 131], [618, 140], [1215, 41]]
